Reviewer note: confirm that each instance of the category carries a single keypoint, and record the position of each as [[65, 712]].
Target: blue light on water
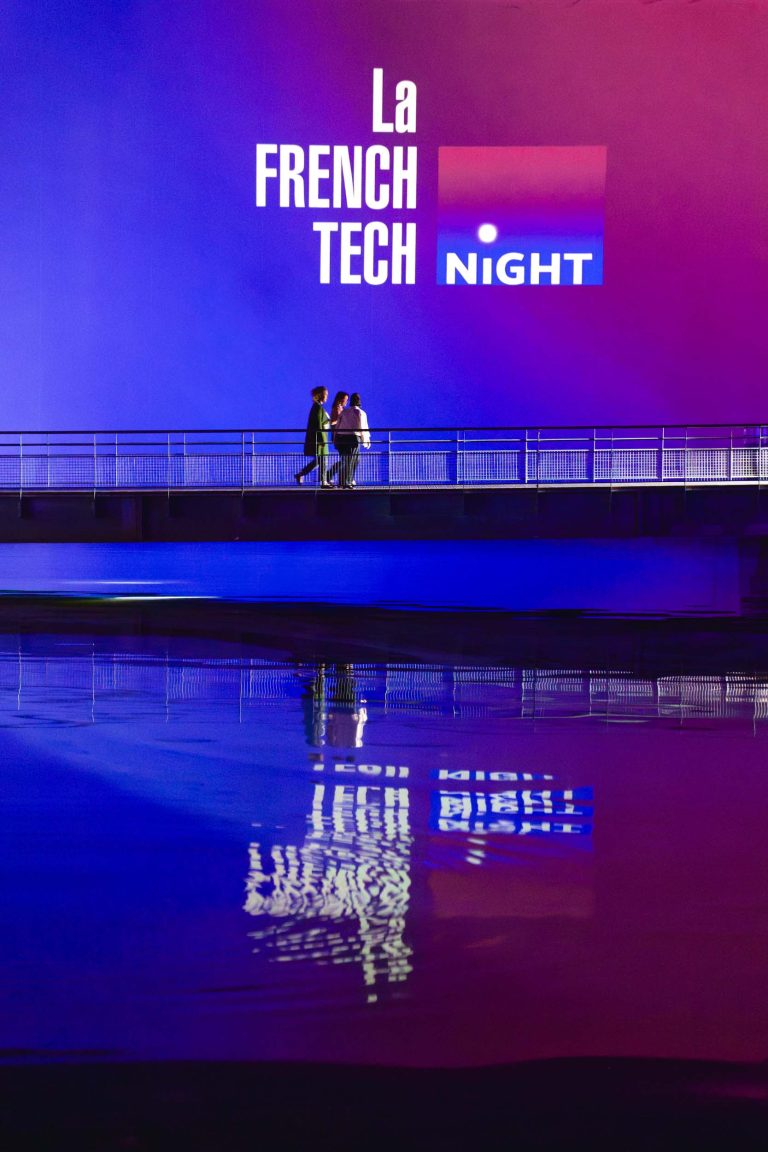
[[642, 575]]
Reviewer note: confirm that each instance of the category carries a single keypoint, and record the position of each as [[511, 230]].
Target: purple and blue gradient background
[[141, 286]]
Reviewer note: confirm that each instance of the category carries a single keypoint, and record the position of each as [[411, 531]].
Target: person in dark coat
[[316, 438]]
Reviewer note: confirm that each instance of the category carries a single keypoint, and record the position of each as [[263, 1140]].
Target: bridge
[[409, 458], [411, 483]]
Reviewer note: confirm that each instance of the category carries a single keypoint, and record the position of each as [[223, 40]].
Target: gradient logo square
[[521, 215]]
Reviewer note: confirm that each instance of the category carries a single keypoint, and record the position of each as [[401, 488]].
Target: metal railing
[[126, 460], [121, 686]]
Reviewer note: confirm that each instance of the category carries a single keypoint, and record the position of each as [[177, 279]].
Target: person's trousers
[[320, 462], [349, 451]]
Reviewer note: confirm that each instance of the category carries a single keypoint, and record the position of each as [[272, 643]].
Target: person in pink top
[[340, 401], [351, 432]]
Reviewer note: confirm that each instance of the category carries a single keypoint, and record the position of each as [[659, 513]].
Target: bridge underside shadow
[[731, 519], [733, 511]]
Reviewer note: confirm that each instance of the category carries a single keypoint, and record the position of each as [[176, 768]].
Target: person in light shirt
[[351, 431]]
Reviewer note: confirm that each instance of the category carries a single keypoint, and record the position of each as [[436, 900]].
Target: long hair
[[337, 407]]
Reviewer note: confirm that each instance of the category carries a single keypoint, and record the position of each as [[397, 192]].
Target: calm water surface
[[618, 576], [230, 857]]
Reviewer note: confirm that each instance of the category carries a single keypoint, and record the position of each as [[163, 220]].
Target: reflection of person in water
[[333, 712], [313, 707], [347, 715]]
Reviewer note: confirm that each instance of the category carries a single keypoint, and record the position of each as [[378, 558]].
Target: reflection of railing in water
[[240, 459], [122, 682]]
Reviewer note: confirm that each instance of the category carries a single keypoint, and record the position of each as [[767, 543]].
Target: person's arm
[[365, 435]]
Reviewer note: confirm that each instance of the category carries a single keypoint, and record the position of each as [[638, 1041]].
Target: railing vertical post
[[730, 456], [21, 464], [168, 465], [94, 466], [660, 462], [242, 463], [458, 456], [389, 459], [47, 459], [116, 465]]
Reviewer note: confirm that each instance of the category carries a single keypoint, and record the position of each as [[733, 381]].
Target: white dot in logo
[[487, 233]]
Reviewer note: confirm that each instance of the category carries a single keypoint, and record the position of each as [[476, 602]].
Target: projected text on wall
[[339, 176]]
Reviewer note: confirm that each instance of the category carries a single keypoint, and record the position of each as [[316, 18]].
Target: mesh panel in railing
[[425, 467], [491, 466], [549, 465], [745, 463], [34, 471], [10, 472], [64, 472], [106, 471], [275, 469], [134, 471], [695, 464], [626, 464], [673, 464], [708, 464], [212, 471], [372, 467]]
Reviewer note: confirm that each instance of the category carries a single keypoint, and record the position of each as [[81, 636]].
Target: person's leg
[[335, 468], [305, 471], [322, 463], [354, 460], [345, 447]]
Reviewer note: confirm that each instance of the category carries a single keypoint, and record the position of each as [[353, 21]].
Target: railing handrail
[[523, 428]]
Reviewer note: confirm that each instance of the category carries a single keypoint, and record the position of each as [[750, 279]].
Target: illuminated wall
[[142, 286]]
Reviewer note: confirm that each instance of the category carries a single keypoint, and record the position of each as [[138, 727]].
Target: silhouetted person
[[316, 438], [351, 432], [340, 401]]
